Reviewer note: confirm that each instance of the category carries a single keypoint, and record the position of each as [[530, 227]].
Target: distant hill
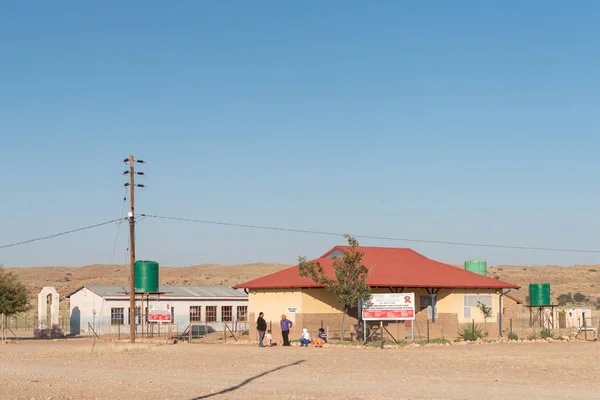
[[582, 278]]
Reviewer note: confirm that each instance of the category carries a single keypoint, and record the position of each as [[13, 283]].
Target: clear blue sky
[[461, 121]]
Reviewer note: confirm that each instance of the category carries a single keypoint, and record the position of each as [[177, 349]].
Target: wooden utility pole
[[132, 310], [132, 185]]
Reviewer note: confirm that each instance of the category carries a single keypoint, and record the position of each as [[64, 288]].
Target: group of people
[[265, 339]]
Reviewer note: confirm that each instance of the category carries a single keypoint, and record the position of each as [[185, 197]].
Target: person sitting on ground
[[305, 339], [321, 338], [268, 338]]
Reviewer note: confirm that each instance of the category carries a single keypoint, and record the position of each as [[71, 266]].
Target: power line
[[59, 234], [313, 232]]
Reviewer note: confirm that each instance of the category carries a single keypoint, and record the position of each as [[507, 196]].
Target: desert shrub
[[470, 332], [546, 333], [592, 270], [579, 297], [500, 269], [496, 277], [564, 299], [513, 336], [533, 336]]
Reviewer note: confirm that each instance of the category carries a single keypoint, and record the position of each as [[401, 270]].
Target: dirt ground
[[72, 369]]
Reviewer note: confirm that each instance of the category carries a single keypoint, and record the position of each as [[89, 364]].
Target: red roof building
[[444, 295], [388, 268]]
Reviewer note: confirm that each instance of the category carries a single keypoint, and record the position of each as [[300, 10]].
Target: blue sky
[[458, 121]]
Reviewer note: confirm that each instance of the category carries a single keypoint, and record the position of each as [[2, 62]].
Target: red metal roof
[[388, 267]]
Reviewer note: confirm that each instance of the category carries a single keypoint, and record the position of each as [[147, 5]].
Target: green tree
[[13, 297], [486, 311], [579, 297], [350, 277], [13, 294], [564, 299]]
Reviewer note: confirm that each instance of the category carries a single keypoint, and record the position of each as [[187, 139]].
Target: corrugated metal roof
[[170, 291], [388, 267]]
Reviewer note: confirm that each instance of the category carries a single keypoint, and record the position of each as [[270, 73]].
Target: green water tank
[[146, 276], [476, 266], [539, 294]]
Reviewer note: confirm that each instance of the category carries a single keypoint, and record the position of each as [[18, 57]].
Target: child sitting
[[321, 338], [268, 339], [305, 339]]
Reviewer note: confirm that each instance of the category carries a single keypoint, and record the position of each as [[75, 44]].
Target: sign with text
[[159, 312], [389, 307]]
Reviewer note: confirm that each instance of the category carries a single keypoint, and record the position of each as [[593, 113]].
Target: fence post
[[427, 330], [510, 335], [473, 328]]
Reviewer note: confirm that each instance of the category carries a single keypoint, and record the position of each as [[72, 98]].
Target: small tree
[[350, 281], [13, 296], [486, 311], [579, 297], [564, 299]]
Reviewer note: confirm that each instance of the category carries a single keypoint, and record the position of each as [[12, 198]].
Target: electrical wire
[[314, 232], [112, 258], [59, 234]]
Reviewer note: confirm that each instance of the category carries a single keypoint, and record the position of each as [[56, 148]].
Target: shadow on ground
[[247, 381]]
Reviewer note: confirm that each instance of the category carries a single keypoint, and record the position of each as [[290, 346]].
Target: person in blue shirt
[[321, 338], [285, 325]]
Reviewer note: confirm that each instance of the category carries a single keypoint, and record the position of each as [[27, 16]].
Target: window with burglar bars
[[425, 303], [138, 312], [472, 301], [195, 313], [117, 316], [211, 313], [227, 313], [242, 313]]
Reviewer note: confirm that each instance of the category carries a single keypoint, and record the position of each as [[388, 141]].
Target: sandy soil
[[70, 369]]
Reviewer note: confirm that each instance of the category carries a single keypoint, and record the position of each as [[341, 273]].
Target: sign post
[[388, 307]]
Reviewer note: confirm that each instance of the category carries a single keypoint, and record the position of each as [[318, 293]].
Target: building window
[[425, 303], [138, 311], [242, 313], [211, 313], [117, 316], [227, 313], [472, 301], [195, 313]]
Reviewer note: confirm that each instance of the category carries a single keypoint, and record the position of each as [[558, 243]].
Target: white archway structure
[[43, 308]]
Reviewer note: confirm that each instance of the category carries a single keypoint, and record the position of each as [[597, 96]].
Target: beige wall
[[318, 301], [274, 302], [317, 306]]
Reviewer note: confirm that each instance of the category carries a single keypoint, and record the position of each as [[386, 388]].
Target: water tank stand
[[542, 315]]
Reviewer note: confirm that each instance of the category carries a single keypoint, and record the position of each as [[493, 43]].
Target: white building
[[105, 308]]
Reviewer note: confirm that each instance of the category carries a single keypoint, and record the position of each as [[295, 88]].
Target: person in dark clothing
[[286, 325], [261, 327]]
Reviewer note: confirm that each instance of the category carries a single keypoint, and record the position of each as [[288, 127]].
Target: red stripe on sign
[[388, 314]]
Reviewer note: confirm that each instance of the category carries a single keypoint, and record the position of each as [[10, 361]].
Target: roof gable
[[388, 267]]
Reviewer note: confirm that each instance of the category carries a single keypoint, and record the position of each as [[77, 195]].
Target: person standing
[[286, 325], [261, 327]]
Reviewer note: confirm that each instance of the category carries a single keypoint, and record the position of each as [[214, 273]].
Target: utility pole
[[132, 311]]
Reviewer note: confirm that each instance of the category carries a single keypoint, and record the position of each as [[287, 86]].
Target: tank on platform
[[539, 294]]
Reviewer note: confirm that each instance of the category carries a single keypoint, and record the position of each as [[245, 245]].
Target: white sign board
[[159, 312], [389, 307]]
